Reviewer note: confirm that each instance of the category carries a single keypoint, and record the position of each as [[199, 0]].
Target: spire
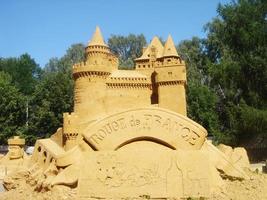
[[157, 45], [97, 38], [169, 48]]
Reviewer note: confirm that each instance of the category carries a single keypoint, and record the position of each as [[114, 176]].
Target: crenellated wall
[[127, 93]]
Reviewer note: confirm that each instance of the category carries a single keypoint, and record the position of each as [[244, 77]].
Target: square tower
[[168, 75]]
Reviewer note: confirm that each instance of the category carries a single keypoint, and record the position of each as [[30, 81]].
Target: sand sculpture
[[16, 158], [129, 136]]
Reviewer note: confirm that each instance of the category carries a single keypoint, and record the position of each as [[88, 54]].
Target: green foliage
[[12, 106], [73, 55], [24, 72], [127, 48], [252, 120], [202, 103], [241, 33], [52, 97], [191, 52], [236, 47], [201, 99]]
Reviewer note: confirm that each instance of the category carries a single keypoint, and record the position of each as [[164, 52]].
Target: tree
[[192, 53], [127, 48], [52, 97], [236, 47], [13, 108], [24, 72], [201, 99], [202, 105], [73, 55]]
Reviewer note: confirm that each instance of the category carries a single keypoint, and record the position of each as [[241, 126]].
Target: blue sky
[[46, 28]]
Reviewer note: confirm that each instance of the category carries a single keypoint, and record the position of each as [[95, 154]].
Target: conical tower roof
[[169, 48], [156, 44], [97, 38]]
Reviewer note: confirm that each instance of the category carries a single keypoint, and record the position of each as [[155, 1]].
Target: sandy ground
[[27, 193], [253, 189]]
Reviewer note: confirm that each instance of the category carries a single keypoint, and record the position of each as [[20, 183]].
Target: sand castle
[[129, 136]]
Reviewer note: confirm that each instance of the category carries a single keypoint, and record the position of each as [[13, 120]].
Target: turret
[[90, 77], [71, 130], [171, 79], [97, 51], [148, 60]]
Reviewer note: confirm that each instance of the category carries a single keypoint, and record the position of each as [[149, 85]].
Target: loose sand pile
[[255, 188], [22, 185]]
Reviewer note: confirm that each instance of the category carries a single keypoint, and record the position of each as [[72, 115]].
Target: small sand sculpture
[[16, 158]]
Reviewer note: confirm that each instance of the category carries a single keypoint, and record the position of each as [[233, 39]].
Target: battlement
[[70, 129], [128, 79], [84, 69], [129, 85], [147, 64]]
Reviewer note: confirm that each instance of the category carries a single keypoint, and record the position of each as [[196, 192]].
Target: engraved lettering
[[194, 137], [178, 127], [132, 121], [96, 138], [122, 123], [115, 125], [137, 122], [147, 122], [101, 133], [157, 119], [108, 128], [185, 133], [167, 124]]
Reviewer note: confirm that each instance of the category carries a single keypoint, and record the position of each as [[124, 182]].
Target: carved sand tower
[[90, 77], [168, 75], [129, 137]]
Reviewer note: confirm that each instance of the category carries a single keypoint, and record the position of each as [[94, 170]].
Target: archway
[[157, 125]]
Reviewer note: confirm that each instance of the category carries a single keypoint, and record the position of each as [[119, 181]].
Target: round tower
[[90, 77]]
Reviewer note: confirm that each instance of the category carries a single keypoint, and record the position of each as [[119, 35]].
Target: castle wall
[[172, 97], [126, 97]]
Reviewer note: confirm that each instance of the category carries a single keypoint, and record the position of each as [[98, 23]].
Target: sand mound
[[23, 185], [26, 187], [255, 188]]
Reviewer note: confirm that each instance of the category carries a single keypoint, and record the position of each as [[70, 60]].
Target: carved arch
[[151, 124]]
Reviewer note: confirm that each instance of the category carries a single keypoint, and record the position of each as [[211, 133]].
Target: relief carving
[[114, 173]]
